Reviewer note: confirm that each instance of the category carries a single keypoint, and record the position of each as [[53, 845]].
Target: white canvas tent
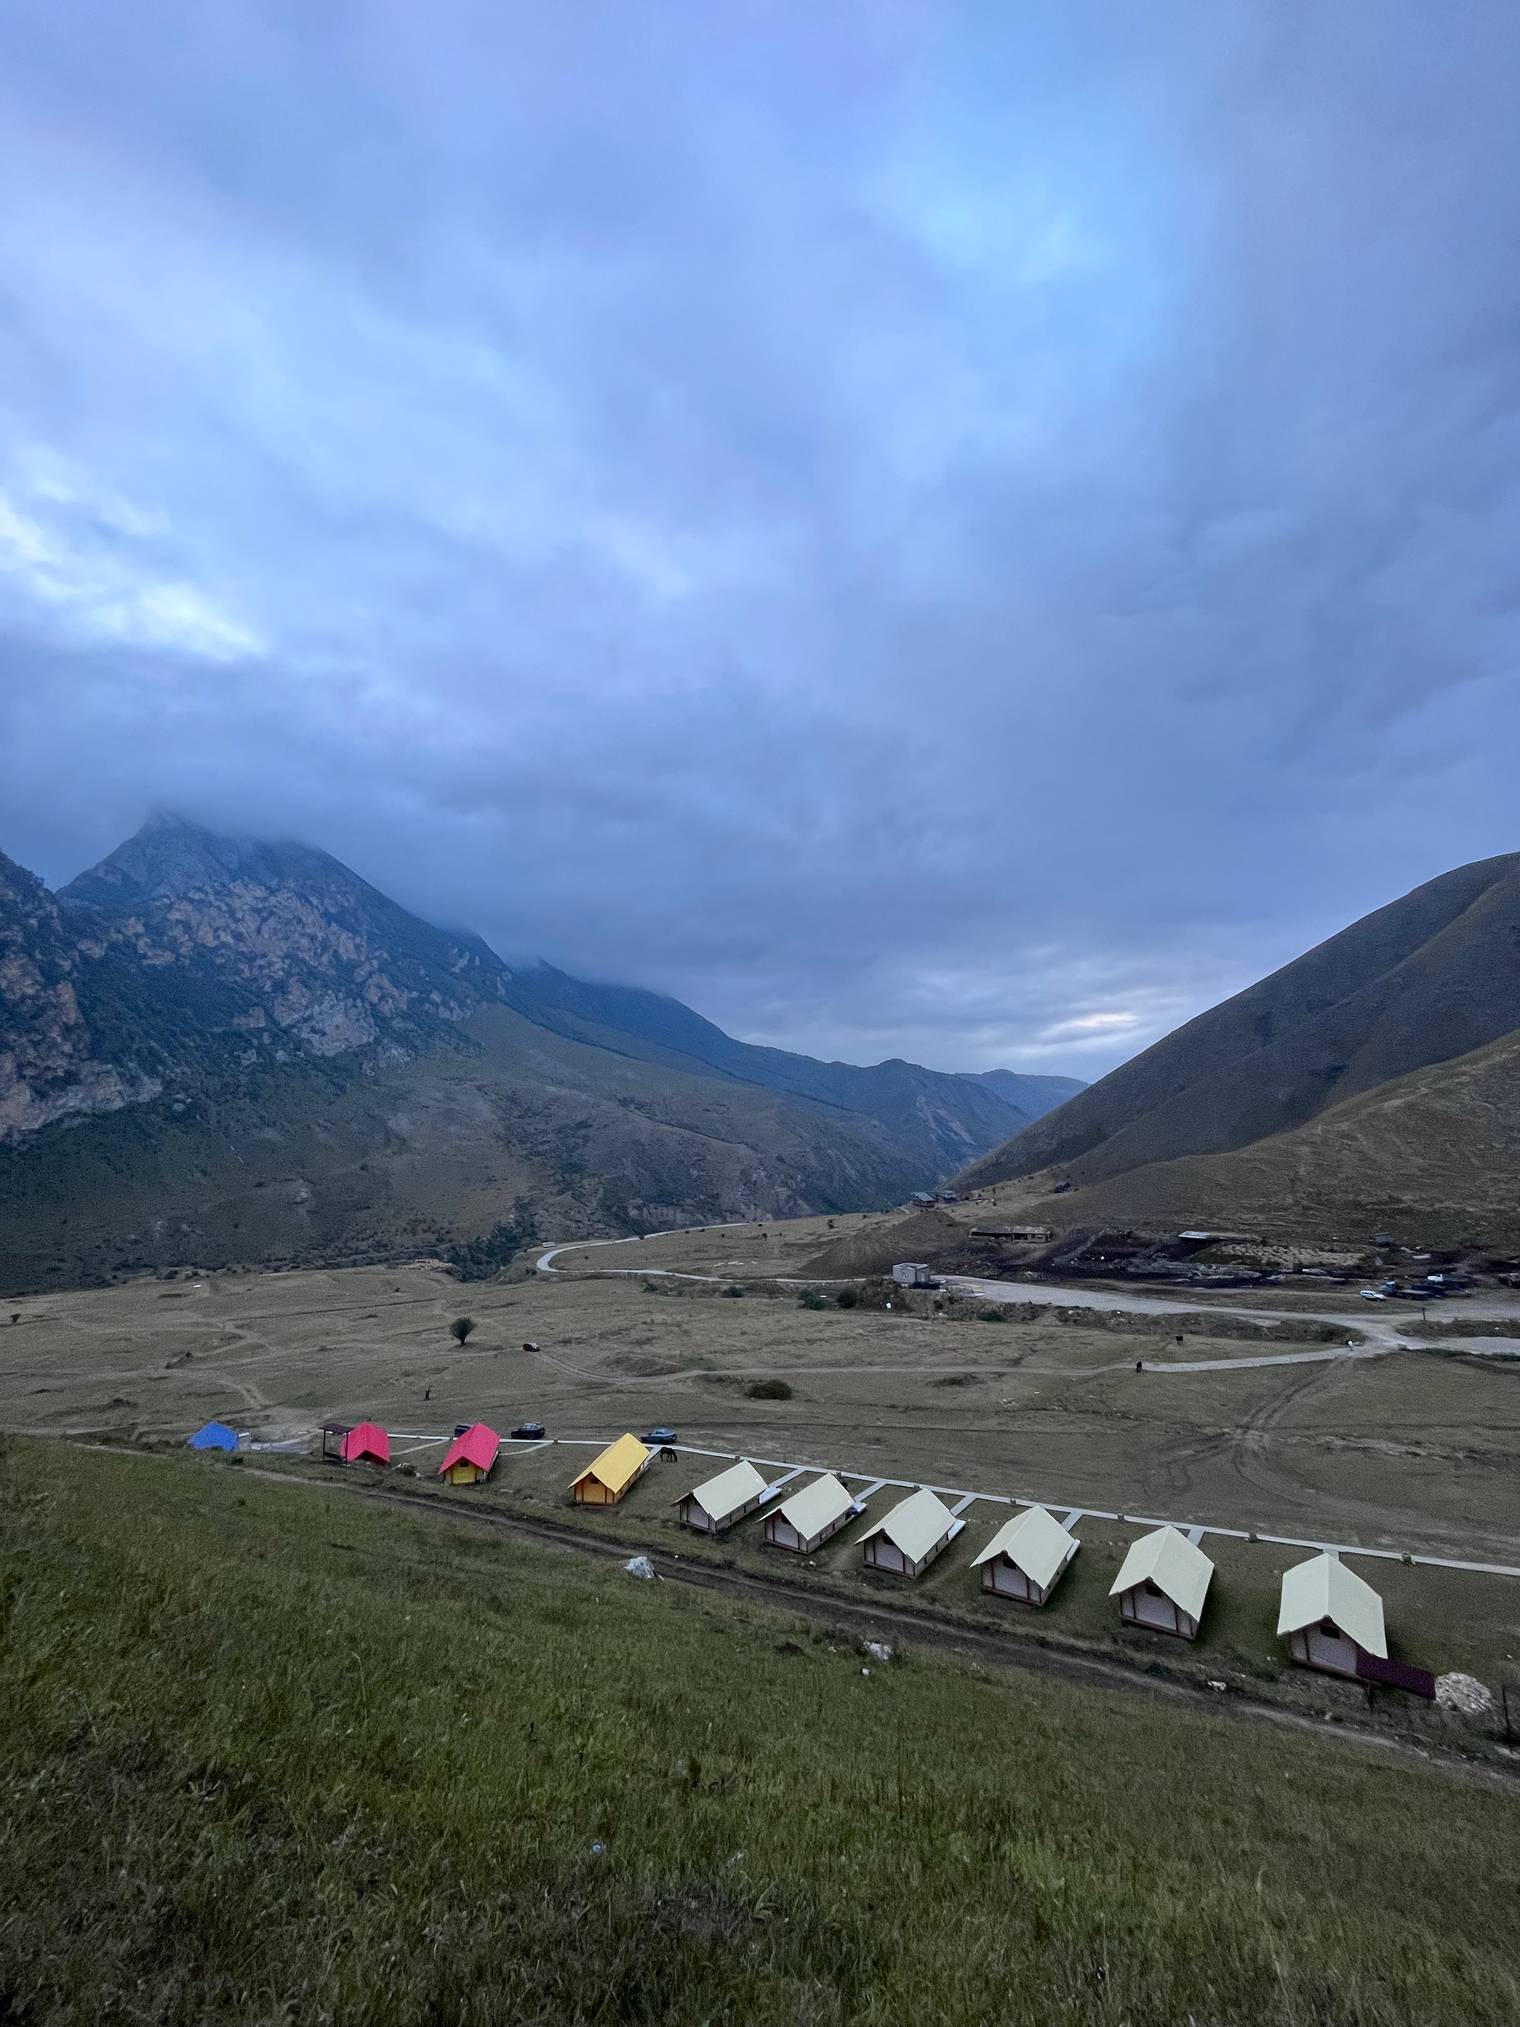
[[806, 1520], [1026, 1557], [908, 1539], [1331, 1616], [722, 1500], [1163, 1583]]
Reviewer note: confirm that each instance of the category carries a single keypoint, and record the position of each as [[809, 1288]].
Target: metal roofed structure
[[1332, 1617], [608, 1476], [807, 1520], [472, 1456], [906, 1540], [720, 1501], [1026, 1556], [1163, 1583]]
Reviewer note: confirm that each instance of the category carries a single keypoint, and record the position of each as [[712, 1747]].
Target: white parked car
[[1373, 1295]]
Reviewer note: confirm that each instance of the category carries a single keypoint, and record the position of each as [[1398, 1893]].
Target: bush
[[736, 1291], [847, 1298], [811, 1301], [769, 1390], [992, 1316]]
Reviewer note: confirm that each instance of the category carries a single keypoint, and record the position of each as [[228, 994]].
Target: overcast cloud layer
[[958, 531]]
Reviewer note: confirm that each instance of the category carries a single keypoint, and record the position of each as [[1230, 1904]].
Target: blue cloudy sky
[[967, 531]]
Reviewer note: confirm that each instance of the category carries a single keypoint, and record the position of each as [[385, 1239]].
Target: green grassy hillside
[[1431, 1156], [270, 1755], [1429, 978]]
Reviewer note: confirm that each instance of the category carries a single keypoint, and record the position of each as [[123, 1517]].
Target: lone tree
[[461, 1327]]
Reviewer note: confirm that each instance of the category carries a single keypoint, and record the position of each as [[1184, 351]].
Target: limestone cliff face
[[185, 954], [306, 944], [49, 1066]]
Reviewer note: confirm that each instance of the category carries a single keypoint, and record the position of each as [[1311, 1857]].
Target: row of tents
[[1331, 1618]]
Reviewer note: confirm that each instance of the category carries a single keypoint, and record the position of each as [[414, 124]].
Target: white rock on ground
[[877, 1649], [641, 1566], [1465, 1693]]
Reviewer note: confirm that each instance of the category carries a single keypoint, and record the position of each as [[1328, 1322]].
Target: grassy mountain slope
[[663, 1030], [1431, 1156], [514, 1126], [1034, 1095], [270, 1755], [1426, 979]]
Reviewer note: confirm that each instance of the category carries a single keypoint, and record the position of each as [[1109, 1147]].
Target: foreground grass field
[[271, 1755]]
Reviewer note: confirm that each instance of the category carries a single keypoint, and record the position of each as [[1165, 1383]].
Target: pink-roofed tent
[[366, 1442], [471, 1456]]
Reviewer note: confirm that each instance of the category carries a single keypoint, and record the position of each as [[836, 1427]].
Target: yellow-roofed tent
[[607, 1477]]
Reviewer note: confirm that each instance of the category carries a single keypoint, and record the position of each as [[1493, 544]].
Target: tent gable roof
[[616, 1465], [1323, 1588], [1036, 1541], [915, 1524], [478, 1446], [367, 1439], [732, 1488], [214, 1436], [817, 1506], [1176, 1566]]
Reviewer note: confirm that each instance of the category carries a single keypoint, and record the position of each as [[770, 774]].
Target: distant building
[[912, 1274], [922, 1196], [1163, 1583], [806, 1520], [1027, 1556], [949, 1196]]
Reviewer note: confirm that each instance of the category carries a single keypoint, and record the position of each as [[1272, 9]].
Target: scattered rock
[[878, 1651], [1464, 1693], [641, 1566], [1218, 1687]]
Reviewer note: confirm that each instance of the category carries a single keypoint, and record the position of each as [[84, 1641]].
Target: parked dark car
[[660, 1435], [528, 1432]]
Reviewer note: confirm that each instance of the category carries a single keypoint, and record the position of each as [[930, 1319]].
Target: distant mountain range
[[229, 1051], [1371, 1082]]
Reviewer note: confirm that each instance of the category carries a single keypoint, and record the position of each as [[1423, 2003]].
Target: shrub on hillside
[[847, 1298], [769, 1390]]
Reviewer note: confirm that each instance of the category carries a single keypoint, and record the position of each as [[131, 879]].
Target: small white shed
[[720, 1501], [1026, 1557], [1331, 1616], [912, 1274], [908, 1539], [1163, 1583], [806, 1520]]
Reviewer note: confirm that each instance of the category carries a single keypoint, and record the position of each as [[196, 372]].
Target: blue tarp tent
[[215, 1436]]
